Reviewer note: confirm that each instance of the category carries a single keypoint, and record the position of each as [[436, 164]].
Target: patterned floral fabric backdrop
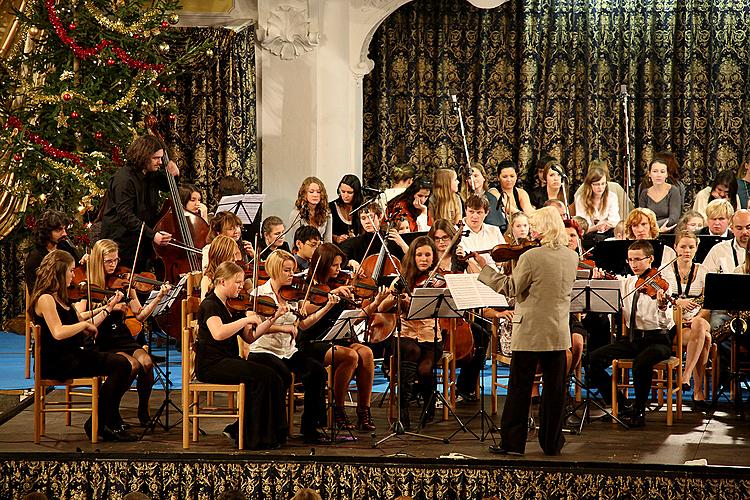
[[536, 78], [214, 135]]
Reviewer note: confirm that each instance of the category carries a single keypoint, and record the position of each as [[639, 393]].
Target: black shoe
[[685, 387], [87, 428], [535, 400], [109, 434], [701, 405], [637, 419], [468, 397], [499, 450], [316, 438], [232, 431]]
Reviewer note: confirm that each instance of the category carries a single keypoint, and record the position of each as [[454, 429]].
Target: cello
[[192, 232]]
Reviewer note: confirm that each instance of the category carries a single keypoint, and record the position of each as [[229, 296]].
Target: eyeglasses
[[637, 259], [111, 261], [312, 244], [439, 239]]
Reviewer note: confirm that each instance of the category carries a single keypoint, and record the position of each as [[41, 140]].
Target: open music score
[[244, 206], [469, 293]]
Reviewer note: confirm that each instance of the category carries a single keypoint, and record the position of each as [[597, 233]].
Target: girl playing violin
[[223, 249], [351, 357], [686, 280], [217, 360], [413, 205], [63, 331], [418, 348], [114, 336], [278, 348]]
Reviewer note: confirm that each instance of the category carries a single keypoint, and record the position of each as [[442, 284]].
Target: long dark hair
[[416, 186], [409, 267], [138, 155], [48, 222], [323, 259], [353, 182], [728, 179], [51, 277]]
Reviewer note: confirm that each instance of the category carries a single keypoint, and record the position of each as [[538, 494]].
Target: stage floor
[[721, 439]]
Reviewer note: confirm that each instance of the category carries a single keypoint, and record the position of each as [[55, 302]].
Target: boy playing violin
[[648, 341]]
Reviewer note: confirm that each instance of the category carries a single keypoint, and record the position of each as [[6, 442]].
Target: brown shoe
[[364, 419]]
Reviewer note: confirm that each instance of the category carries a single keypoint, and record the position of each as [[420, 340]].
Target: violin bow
[[135, 259], [456, 237], [256, 270]]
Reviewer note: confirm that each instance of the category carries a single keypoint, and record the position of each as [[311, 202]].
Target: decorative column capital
[[286, 33]]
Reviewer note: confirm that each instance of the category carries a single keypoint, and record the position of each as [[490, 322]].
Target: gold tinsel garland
[[94, 190], [117, 25]]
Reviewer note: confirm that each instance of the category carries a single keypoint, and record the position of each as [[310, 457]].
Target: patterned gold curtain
[[214, 134], [537, 77]]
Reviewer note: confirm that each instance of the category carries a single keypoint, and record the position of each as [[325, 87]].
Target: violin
[[363, 287], [590, 265], [248, 268], [142, 282], [650, 282], [265, 306], [504, 251], [300, 290]]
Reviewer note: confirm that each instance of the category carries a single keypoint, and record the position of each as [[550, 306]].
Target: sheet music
[[344, 325], [245, 206], [603, 296], [470, 293]]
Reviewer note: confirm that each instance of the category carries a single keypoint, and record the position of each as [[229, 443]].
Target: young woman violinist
[[227, 224], [418, 348], [217, 360], [350, 358], [114, 335], [63, 331], [413, 205], [686, 281], [278, 348]]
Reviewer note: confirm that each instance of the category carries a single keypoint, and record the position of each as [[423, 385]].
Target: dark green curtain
[[215, 134], [543, 77]]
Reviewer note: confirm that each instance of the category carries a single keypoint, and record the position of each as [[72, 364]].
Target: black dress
[[67, 358], [309, 340], [219, 362], [114, 335]]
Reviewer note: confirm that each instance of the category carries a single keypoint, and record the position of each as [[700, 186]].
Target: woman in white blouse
[[596, 204]]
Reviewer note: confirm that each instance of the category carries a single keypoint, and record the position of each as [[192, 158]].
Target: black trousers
[[645, 353], [514, 421], [89, 363], [466, 382], [313, 375], [424, 355], [265, 417]]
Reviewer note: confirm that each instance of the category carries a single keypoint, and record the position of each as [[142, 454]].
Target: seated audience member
[[743, 183], [691, 221], [596, 204], [624, 205], [723, 187], [350, 197], [477, 184], [619, 231], [647, 341], [272, 236], [401, 177], [311, 208], [553, 188], [444, 201], [661, 197], [512, 197], [718, 213], [306, 241]]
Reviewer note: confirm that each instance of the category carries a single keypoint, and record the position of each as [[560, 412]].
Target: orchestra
[[353, 254]]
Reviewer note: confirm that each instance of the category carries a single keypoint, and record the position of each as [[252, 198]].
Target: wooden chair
[[192, 388], [667, 380], [29, 351], [498, 359], [42, 406]]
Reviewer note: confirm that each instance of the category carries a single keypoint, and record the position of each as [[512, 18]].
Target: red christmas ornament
[[72, 26], [17, 157], [110, 62], [163, 90], [74, 115], [98, 135], [172, 117], [164, 24], [67, 96]]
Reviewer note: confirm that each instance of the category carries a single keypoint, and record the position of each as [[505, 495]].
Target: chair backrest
[[27, 315], [36, 332]]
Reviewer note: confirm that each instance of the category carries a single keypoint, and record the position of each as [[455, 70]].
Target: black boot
[[408, 373], [428, 410], [638, 417]]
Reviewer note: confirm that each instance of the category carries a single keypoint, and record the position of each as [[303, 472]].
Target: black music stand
[[729, 292], [344, 328], [593, 296], [164, 305], [244, 206], [435, 303]]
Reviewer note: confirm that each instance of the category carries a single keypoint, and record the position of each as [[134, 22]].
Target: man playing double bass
[[133, 198]]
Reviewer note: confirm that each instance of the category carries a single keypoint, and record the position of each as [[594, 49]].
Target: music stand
[[434, 303], [244, 206], [344, 328], [164, 305], [594, 296], [721, 293]]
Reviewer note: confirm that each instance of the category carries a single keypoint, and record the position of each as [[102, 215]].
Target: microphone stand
[[627, 179], [457, 107]]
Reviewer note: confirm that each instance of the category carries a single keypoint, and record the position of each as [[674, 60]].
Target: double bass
[[189, 229]]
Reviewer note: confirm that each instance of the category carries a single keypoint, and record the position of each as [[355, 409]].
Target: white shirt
[[648, 316], [695, 290], [611, 212], [724, 257], [485, 239], [667, 256], [702, 198], [279, 344]]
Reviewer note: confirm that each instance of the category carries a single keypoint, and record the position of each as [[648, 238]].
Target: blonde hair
[[635, 216], [719, 207], [594, 174], [225, 271], [513, 218], [221, 250], [444, 203], [548, 223], [275, 263], [101, 249], [681, 235]]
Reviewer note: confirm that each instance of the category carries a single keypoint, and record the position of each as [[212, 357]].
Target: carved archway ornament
[[287, 32]]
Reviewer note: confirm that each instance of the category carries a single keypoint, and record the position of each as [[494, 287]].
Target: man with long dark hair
[[133, 198], [50, 233]]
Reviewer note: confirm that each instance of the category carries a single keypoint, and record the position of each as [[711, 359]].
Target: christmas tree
[[83, 79]]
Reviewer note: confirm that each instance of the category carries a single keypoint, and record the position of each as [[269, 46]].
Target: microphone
[[372, 190], [454, 100], [624, 90], [559, 170]]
